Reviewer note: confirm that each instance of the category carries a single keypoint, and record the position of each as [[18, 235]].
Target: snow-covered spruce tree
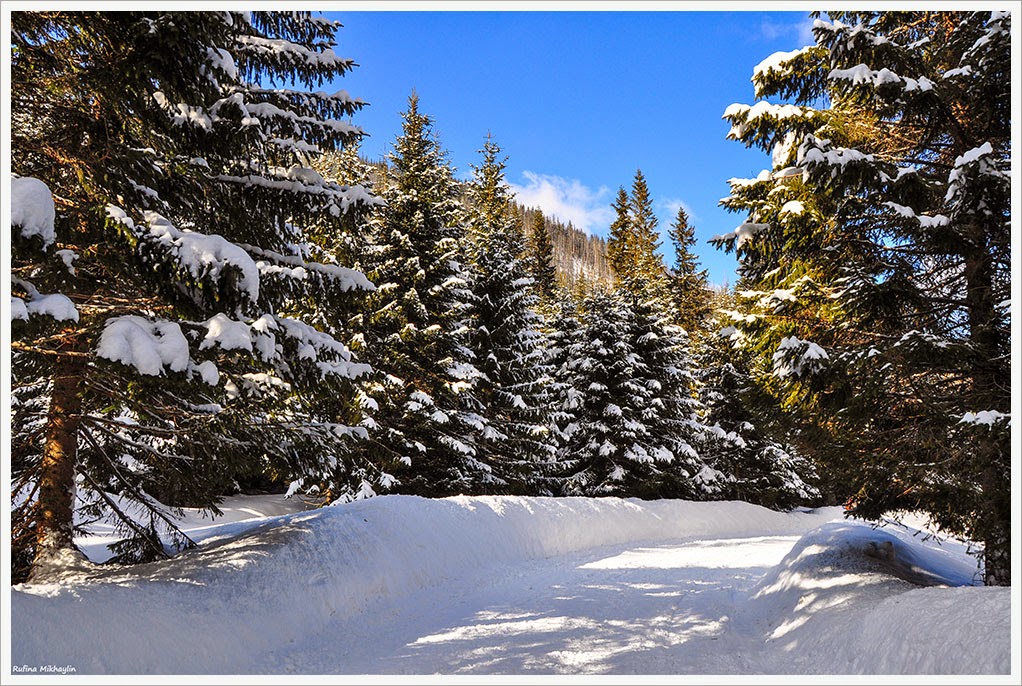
[[625, 417], [745, 439], [671, 411], [599, 402], [507, 341], [425, 418], [165, 267], [876, 259], [565, 338]]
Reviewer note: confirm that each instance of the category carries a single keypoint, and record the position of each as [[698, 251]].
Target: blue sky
[[577, 100]]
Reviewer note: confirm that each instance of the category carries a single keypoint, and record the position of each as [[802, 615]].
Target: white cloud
[[805, 31], [672, 205], [801, 30], [566, 199]]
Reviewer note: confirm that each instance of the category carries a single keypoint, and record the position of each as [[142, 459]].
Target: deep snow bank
[[253, 585], [846, 599], [849, 598]]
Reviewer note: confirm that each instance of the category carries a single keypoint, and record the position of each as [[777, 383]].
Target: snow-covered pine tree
[[165, 267], [598, 401], [565, 339], [425, 418], [886, 218], [743, 426], [609, 414], [507, 341], [670, 411], [352, 237], [689, 290]]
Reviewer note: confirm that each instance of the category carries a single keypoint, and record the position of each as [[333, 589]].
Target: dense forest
[[213, 291]]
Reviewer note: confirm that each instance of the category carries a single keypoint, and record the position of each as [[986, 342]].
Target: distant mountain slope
[[578, 256]]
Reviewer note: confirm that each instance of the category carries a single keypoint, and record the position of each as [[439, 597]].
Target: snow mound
[[254, 585], [850, 598]]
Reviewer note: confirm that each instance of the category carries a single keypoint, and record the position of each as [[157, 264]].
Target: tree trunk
[[989, 392], [997, 527], [55, 506]]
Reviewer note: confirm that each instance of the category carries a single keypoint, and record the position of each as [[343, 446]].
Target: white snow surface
[[517, 585]]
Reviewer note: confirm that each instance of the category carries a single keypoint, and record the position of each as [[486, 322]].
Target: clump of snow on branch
[[795, 357], [201, 254], [56, 305], [987, 417], [745, 116], [776, 65], [148, 346], [32, 209], [227, 333], [743, 234], [861, 74]]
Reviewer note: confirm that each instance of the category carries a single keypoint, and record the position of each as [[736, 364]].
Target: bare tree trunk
[[55, 505]]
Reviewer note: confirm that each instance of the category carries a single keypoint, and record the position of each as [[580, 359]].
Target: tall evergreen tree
[[689, 289], [541, 258], [633, 244], [426, 420], [166, 270], [664, 368], [565, 339], [619, 244], [599, 403], [748, 438], [627, 420], [644, 235], [507, 342], [875, 259]]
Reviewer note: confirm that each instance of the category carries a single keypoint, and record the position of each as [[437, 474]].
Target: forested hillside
[[212, 290], [579, 258]]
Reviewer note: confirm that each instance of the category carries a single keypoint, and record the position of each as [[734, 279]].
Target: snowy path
[[665, 609], [511, 585]]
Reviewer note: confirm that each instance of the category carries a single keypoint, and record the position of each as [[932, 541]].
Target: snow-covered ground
[[509, 585]]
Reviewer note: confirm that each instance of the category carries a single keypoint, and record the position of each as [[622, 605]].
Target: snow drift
[[849, 598], [255, 587]]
